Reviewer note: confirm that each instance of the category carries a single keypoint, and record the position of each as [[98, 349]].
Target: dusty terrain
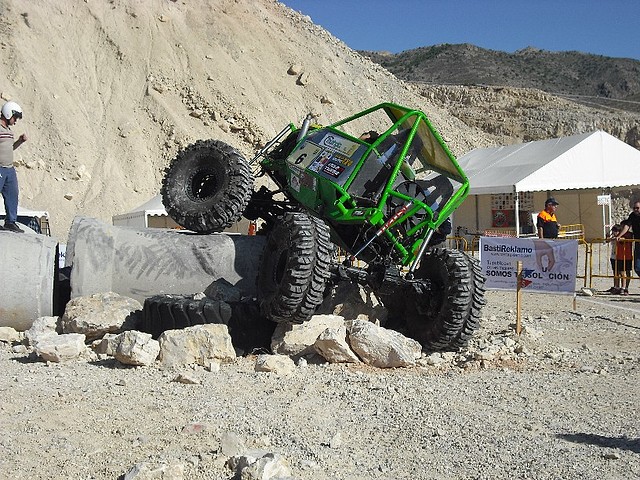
[[110, 91], [564, 407]]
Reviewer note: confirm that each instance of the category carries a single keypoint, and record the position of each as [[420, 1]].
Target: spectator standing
[[624, 259], [633, 223], [621, 259], [612, 238], [10, 114], [547, 223]]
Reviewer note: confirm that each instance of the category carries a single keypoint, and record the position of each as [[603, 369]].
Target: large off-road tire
[[207, 186], [294, 268], [447, 317], [170, 312]]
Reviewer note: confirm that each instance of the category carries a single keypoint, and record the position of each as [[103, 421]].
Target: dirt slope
[[111, 89], [108, 88]]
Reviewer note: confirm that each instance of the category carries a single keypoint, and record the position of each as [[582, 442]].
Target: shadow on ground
[[622, 443]]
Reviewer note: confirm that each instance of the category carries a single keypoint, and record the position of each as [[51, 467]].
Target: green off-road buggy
[[377, 196]]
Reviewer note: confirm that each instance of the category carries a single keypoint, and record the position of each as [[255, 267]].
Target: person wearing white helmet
[[11, 113]]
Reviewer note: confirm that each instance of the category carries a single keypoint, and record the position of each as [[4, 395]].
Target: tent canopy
[[152, 210], [152, 207], [25, 212], [588, 160]]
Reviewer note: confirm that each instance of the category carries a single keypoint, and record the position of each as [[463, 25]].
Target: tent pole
[[475, 198], [517, 206], [609, 209], [604, 222]]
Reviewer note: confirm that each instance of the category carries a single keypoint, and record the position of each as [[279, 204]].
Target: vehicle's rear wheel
[[294, 268], [170, 312], [447, 317], [207, 186]]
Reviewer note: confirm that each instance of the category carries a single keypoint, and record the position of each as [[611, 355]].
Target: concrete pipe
[[140, 263], [26, 283]]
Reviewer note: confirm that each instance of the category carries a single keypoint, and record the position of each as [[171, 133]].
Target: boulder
[[100, 313], [280, 364], [42, 327], [136, 348], [58, 348], [380, 347], [199, 345], [9, 335], [332, 345], [298, 340]]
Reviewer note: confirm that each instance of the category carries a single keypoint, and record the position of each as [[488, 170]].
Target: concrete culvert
[[141, 263], [26, 284]]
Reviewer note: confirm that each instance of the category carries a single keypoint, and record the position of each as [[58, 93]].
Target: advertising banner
[[547, 265]]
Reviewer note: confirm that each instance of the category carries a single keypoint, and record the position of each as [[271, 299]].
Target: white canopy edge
[[25, 212], [588, 160], [152, 207]]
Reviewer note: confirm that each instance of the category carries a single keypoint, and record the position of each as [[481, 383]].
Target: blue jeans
[[9, 190]]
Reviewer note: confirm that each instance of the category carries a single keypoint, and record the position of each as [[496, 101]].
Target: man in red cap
[[547, 223]]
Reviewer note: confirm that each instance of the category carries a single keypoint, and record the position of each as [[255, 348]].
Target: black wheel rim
[[203, 185]]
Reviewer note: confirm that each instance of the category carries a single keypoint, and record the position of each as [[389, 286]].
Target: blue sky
[[602, 27]]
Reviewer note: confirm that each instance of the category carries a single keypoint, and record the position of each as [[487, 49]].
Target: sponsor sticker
[[333, 169], [339, 144], [295, 182]]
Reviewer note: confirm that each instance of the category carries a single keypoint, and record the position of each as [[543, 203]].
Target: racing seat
[[390, 148]]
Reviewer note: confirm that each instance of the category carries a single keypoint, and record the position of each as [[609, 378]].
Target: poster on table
[[547, 265]]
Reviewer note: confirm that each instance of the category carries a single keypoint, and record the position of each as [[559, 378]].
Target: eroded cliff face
[[514, 115]]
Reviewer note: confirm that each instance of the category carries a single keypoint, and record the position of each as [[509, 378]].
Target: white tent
[[149, 214], [152, 214], [565, 167]]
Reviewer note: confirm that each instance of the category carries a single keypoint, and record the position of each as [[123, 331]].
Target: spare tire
[[207, 186], [294, 268], [446, 317], [170, 312]]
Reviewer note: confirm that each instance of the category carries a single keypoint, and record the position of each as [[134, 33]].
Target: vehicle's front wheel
[[447, 317], [294, 268], [207, 186]]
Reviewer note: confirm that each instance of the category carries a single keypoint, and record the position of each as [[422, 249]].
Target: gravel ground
[[565, 407]]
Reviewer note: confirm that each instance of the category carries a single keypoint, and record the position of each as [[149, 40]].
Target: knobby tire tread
[[446, 318], [170, 312], [220, 208], [294, 268]]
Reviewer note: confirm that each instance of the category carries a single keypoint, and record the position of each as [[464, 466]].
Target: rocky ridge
[[577, 74]]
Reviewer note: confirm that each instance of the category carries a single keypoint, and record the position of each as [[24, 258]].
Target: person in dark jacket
[[633, 223], [547, 223]]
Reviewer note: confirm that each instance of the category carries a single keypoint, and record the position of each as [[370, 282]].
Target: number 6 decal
[[300, 158]]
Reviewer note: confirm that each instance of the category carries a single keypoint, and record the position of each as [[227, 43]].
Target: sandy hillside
[[108, 89]]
